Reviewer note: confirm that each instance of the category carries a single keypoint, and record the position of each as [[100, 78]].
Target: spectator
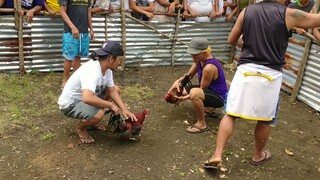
[[52, 6], [194, 8], [229, 6], [165, 6], [142, 9], [219, 10], [101, 5], [241, 5], [32, 6], [303, 5], [115, 4], [76, 39], [90, 88]]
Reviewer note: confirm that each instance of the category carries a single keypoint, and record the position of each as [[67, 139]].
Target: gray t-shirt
[[305, 9], [77, 11]]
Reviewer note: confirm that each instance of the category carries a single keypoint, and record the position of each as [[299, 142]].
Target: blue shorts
[[72, 47]]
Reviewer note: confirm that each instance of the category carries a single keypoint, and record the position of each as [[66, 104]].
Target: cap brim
[[191, 50], [100, 52]]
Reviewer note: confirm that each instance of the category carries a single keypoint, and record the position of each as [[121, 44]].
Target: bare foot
[[84, 136]]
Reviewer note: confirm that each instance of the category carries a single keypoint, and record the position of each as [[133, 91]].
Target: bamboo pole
[[123, 33], [175, 37], [18, 25], [304, 59], [151, 27]]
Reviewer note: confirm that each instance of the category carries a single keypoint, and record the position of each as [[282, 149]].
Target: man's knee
[[196, 93]]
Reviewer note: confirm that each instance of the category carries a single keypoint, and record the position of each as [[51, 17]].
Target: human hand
[[300, 31], [218, 14], [91, 35], [149, 15], [213, 14], [111, 9], [129, 115], [175, 85], [229, 18], [171, 8], [29, 16], [185, 14], [193, 13], [75, 32]]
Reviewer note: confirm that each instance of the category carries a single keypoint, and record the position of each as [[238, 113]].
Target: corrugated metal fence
[[144, 47]]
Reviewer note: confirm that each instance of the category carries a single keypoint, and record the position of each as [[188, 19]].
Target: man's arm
[[301, 19], [1, 3], [316, 33], [66, 19], [138, 9], [237, 29], [90, 24]]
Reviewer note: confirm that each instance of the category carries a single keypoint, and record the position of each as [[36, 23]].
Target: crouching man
[[86, 93]]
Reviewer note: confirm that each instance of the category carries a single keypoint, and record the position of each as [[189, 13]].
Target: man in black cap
[[86, 93]]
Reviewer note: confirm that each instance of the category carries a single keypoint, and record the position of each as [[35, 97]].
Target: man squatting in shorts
[[86, 93]]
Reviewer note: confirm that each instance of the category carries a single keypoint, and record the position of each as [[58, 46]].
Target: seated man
[[193, 9], [31, 5], [100, 6], [86, 93], [52, 6], [143, 9], [212, 89], [304, 5], [165, 6]]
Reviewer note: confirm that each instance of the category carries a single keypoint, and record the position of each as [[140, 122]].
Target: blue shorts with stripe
[[73, 47]]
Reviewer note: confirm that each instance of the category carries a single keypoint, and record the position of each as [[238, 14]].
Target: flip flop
[[200, 130], [84, 139], [267, 156], [212, 165]]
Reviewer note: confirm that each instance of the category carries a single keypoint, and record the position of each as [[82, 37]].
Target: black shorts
[[211, 98]]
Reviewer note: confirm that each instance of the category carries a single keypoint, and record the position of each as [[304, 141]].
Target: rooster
[[127, 128], [171, 97]]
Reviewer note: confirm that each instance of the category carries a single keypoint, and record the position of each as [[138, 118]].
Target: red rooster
[[170, 97], [127, 128]]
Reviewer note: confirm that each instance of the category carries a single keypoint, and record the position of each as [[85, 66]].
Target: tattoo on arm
[[298, 14]]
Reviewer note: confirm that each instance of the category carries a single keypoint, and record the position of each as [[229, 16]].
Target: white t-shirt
[[88, 76], [202, 7], [116, 4]]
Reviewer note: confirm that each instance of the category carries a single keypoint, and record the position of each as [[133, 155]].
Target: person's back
[[268, 44]]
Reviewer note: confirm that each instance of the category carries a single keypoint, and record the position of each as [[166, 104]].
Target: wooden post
[[123, 32], [304, 59], [175, 37], [106, 26], [18, 25]]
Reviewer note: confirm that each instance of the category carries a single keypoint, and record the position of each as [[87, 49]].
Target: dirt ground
[[38, 142]]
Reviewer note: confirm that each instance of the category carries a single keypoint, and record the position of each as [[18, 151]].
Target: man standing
[[76, 39], [90, 88], [254, 91]]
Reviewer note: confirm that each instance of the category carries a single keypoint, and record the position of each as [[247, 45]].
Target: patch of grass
[[137, 92], [48, 136]]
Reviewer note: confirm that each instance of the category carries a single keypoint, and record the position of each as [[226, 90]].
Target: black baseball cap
[[110, 47]]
